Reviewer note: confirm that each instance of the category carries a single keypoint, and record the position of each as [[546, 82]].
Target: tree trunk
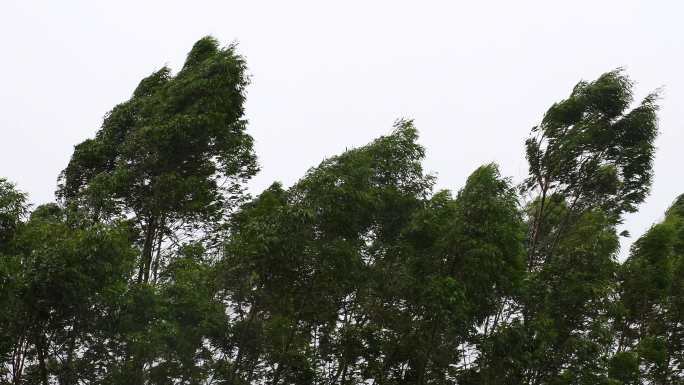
[[148, 246], [41, 360]]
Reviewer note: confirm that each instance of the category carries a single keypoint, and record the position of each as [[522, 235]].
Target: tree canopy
[[154, 266]]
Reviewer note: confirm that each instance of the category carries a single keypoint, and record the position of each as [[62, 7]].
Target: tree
[[298, 260], [63, 279], [356, 273], [13, 208], [590, 161], [171, 157], [465, 258], [154, 267], [171, 161], [589, 152], [649, 323]]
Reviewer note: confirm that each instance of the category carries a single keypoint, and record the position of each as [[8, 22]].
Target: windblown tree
[[170, 161], [590, 162], [356, 273], [465, 260], [170, 158], [155, 267], [298, 259], [590, 152], [650, 320]]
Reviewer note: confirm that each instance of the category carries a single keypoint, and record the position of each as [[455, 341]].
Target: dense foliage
[[154, 266]]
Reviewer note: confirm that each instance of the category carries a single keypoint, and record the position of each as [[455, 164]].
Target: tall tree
[[13, 209], [64, 278], [650, 327], [356, 273], [590, 162], [171, 161], [298, 261], [171, 157], [465, 259]]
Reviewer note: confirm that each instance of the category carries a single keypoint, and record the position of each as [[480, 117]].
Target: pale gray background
[[474, 75]]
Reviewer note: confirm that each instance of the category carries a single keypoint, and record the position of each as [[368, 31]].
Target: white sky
[[475, 76]]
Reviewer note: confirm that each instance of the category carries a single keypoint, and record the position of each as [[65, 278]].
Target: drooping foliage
[[155, 268]]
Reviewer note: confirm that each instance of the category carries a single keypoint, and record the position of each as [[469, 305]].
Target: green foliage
[[173, 156], [591, 147], [155, 268], [167, 148], [64, 280], [590, 162], [652, 309], [13, 208]]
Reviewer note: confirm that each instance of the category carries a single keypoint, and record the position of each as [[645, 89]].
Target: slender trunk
[[155, 265], [563, 226], [341, 371], [536, 229], [18, 359], [146, 256], [42, 367]]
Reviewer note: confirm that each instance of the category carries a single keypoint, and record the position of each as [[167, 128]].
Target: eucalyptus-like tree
[[170, 162], [171, 157], [650, 316], [590, 161]]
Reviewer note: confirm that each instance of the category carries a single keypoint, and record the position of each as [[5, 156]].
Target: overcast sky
[[326, 76]]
